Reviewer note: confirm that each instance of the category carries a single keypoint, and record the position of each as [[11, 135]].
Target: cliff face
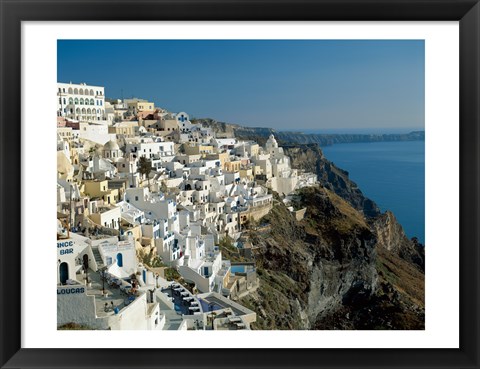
[[329, 271], [389, 232], [311, 159], [392, 238]]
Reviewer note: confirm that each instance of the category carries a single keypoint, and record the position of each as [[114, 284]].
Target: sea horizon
[[376, 130]]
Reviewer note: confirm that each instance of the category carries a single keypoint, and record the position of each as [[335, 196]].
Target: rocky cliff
[[330, 271], [390, 233]]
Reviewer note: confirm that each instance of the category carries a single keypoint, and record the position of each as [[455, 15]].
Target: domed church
[[112, 151]]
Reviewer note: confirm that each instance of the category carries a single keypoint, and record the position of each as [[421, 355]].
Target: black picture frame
[[467, 12]]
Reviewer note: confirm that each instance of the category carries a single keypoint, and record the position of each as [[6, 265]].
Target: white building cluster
[[122, 231]]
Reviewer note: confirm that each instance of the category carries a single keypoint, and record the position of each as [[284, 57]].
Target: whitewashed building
[[81, 102]]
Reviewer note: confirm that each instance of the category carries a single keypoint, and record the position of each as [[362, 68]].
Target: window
[[136, 198], [76, 100], [91, 101], [64, 101], [60, 100], [70, 101], [59, 90], [81, 102]]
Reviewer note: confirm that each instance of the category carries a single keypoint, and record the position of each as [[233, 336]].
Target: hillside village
[[148, 205]]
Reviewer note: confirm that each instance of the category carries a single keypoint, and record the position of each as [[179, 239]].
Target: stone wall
[[256, 213], [300, 214]]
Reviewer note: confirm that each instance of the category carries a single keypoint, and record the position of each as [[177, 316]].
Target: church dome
[[271, 142], [111, 145]]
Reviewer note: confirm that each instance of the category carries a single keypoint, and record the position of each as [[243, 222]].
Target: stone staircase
[[98, 258]]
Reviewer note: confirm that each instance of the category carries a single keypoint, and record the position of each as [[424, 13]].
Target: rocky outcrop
[[391, 237]]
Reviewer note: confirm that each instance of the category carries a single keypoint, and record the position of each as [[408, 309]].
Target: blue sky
[[287, 85]]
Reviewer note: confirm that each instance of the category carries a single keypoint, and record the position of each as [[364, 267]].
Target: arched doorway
[[85, 261], [63, 272], [120, 259]]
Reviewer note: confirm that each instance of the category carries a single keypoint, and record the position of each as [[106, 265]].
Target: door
[[63, 273], [120, 259]]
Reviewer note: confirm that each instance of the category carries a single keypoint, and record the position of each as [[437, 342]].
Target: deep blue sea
[[390, 173]]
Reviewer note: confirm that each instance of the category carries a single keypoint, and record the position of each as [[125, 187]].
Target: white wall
[[71, 249], [110, 248], [97, 133], [133, 317], [74, 306]]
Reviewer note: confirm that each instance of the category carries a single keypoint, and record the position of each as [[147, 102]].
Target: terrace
[[184, 302], [119, 293]]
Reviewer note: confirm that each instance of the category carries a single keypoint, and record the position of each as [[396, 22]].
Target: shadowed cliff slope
[[329, 271]]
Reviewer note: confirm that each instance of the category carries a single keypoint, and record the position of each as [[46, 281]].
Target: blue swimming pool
[[206, 307], [237, 269]]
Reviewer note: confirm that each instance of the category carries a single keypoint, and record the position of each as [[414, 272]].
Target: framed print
[[283, 183]]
